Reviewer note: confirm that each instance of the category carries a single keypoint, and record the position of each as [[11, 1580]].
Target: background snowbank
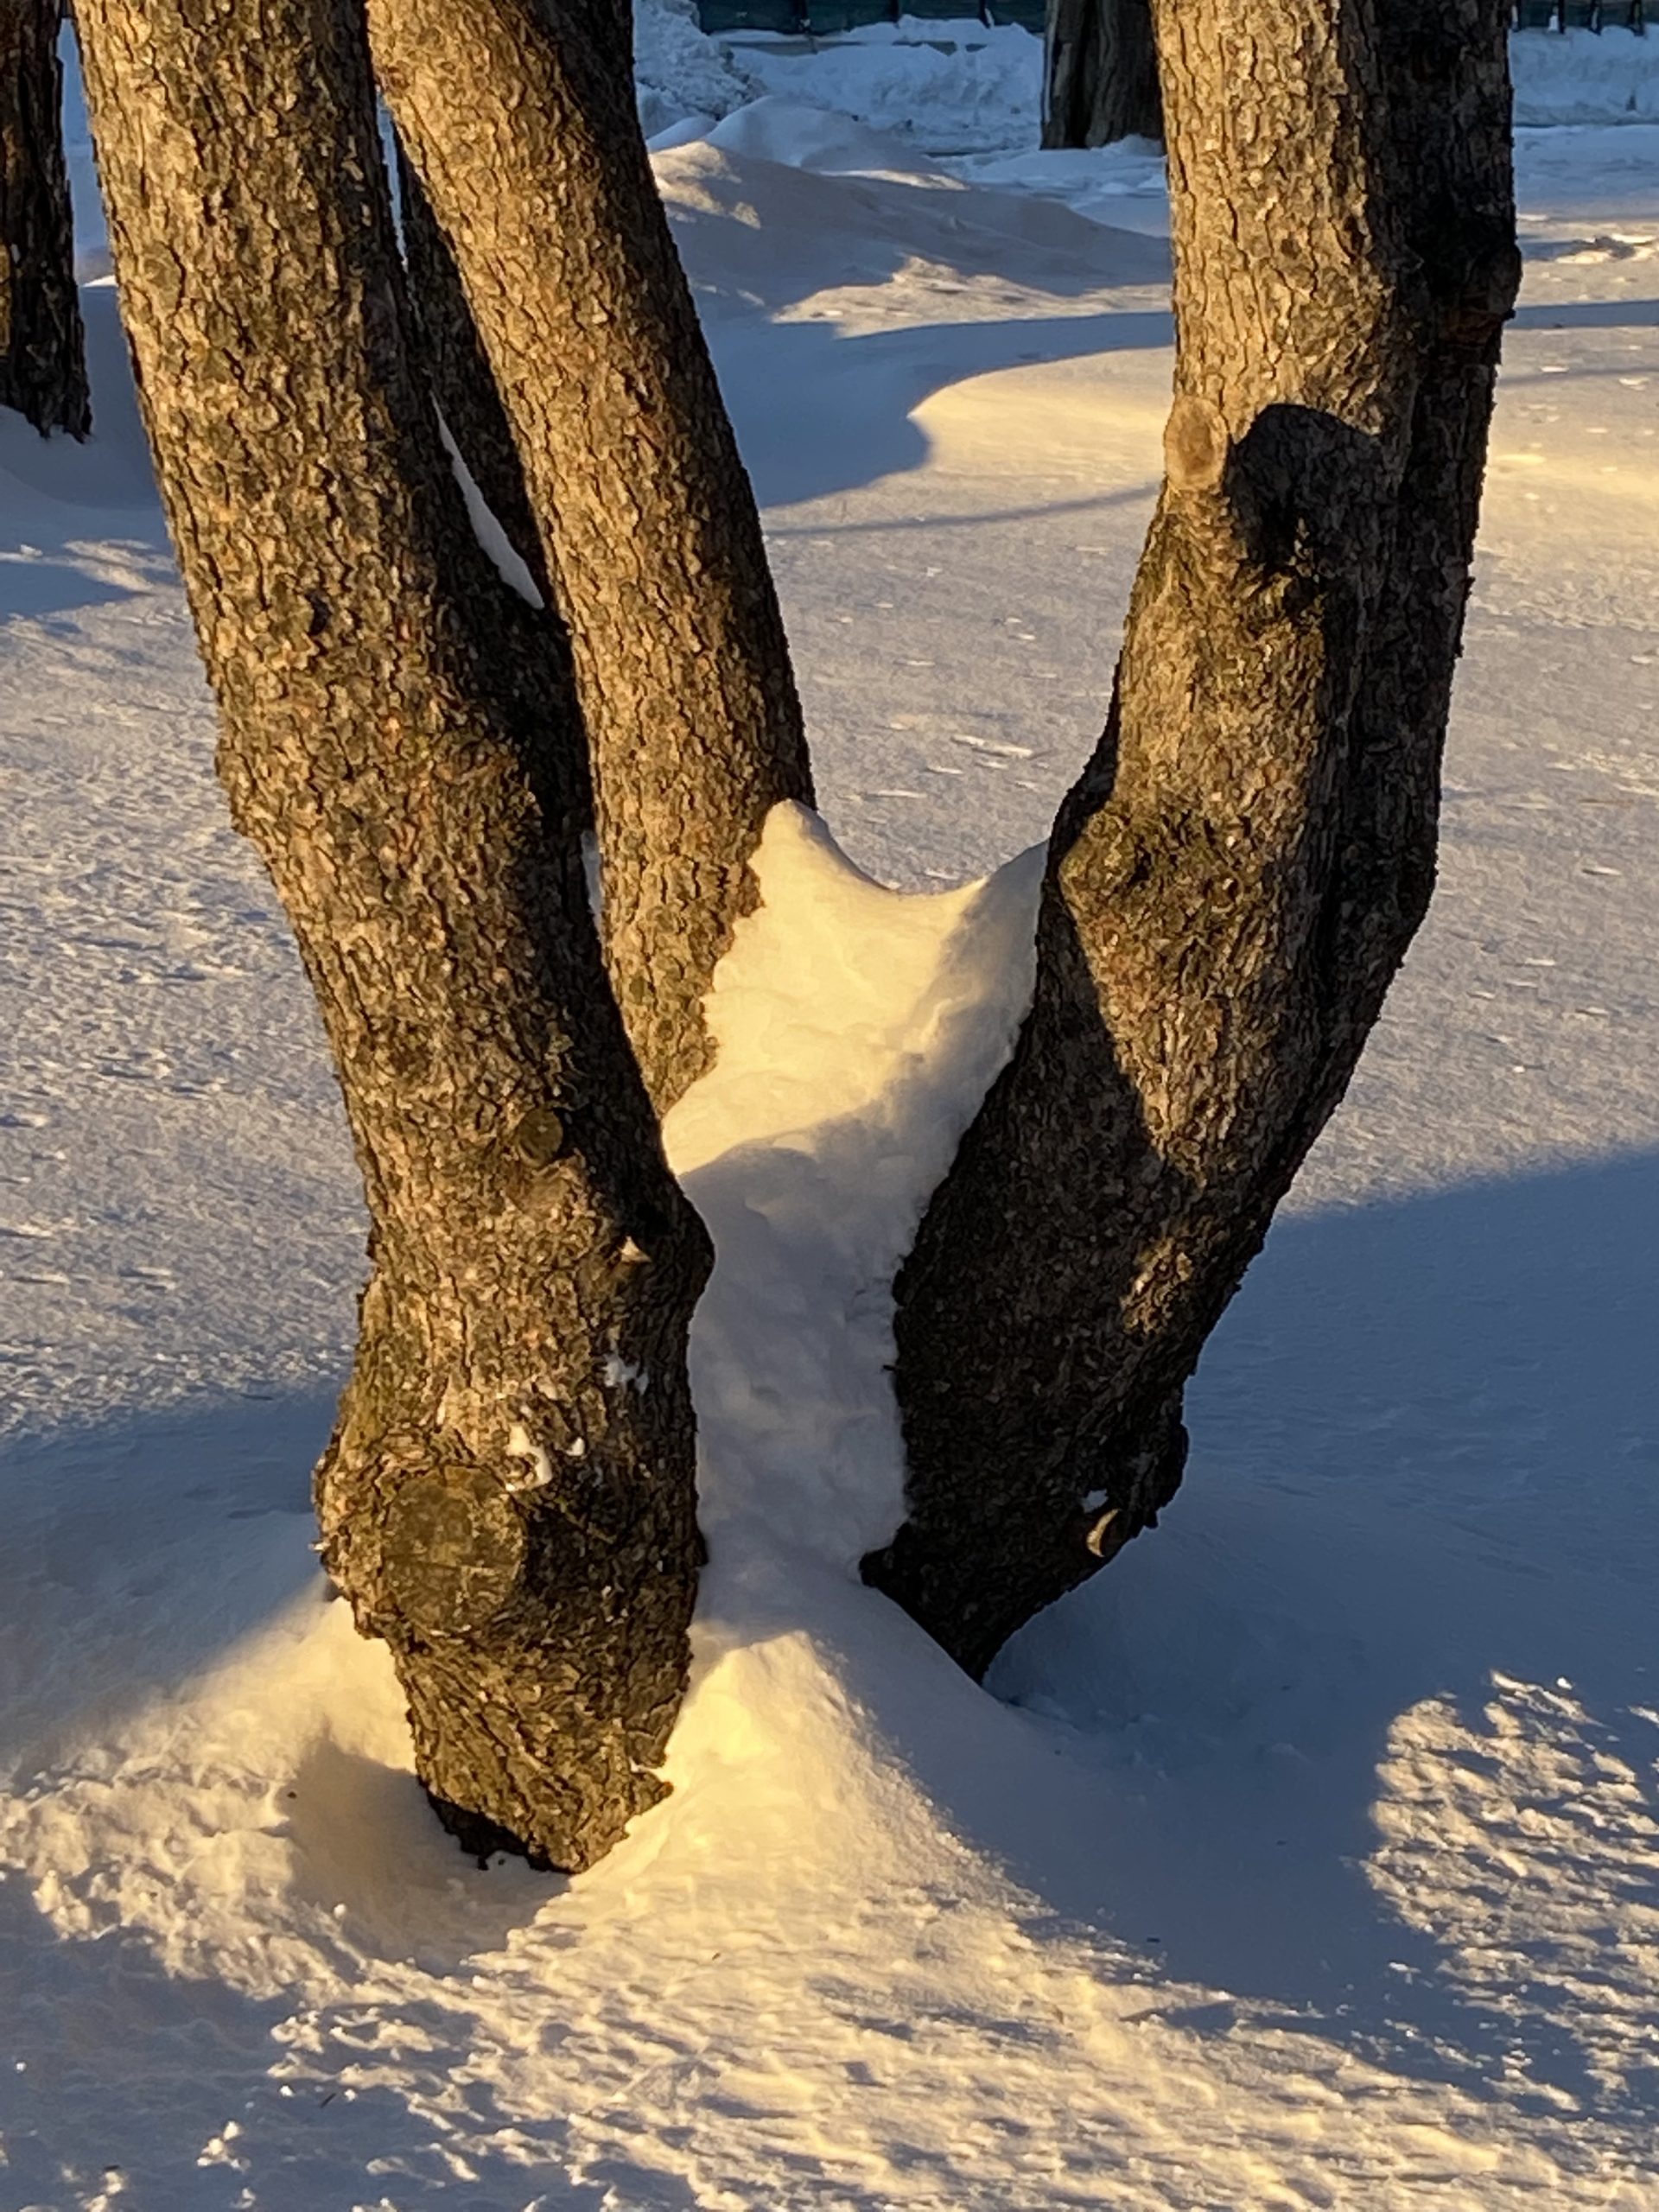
[[1585, 76], [678, 71], [956, 87]]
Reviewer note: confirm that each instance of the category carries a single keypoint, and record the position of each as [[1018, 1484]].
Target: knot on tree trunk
[[1196, 444], [454, 1551]]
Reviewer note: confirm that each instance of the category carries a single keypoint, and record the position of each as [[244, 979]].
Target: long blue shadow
[[1425, 1448], [818, 412]]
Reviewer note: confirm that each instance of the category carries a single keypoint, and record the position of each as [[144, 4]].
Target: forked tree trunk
[[1234, 880], [463, 381], [508, 1496], [42, 352], [519, 117], [1100, 74]]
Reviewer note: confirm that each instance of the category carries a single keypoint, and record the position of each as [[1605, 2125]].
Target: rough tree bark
[[462, 382], [1100, 74], [519, 117], [1234, 879], [42, 352], [508, 1496]]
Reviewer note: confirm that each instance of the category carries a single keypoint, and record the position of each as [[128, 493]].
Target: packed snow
[[1307, 1858]]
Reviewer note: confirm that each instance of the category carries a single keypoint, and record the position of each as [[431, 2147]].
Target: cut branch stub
[[455, 1549], [540, 1138], [1195, 444]]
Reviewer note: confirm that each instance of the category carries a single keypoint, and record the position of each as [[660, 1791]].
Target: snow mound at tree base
[[878, 1947]]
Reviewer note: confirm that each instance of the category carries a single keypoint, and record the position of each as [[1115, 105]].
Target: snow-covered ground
[[1308, 1858]]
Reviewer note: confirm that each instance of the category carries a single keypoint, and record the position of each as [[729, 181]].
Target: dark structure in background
[[823, 18], [1580, 14], [1100, 74], [42, 356]]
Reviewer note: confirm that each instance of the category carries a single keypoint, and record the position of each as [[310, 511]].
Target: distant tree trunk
[[520, 118], [508, 1496], [42, 354], [462, 382], [1100, 74], [1234, 880]]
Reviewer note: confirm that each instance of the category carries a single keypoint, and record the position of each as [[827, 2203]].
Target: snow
[[1583, 76], [1310, 1856], [509, 566], [958, 87], [857, 1026], [679, 71], [522, 1446], [949, 87]]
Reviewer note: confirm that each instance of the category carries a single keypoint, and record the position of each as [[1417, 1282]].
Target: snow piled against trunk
[[857, 1027]]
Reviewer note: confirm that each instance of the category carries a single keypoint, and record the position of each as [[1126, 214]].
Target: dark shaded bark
[[519, 117], [508, 1496], [42, 351], [462, 382], [1100, 80], [1234, 880]]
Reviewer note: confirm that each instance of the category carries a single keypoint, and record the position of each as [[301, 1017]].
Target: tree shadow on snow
[[1365, 1735], [1587, 314], [110, 474], [1360, 1745], [126, 2080], [1362, 1742], [819, 411], [148, 1554], [210, 1919], [111, 1525]]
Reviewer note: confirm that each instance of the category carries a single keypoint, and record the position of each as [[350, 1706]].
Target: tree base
[[483, 1840], [972, 1580]]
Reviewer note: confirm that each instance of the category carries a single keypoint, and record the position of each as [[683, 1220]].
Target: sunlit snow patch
[[857, 1027]]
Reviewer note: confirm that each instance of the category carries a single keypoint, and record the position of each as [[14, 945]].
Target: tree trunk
[[508, 1496], [1100, 74], [521, 121], [462, 382], [1234, 879], [42, 354]]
